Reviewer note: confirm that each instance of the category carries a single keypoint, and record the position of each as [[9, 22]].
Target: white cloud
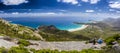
[[85, 0], [70, 14], [15, 13], [49, 13], [94, 1], [89, 11], [91, 1], [74, 2], [53, 14], [63, 10], [115, 5], [69, 1], [13, 2]]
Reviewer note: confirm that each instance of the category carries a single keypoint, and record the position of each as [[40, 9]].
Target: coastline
[[80, 28]]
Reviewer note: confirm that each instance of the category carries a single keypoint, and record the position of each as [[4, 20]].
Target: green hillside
[[17, 31]]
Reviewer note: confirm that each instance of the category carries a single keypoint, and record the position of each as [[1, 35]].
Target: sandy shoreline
[[76, 29]]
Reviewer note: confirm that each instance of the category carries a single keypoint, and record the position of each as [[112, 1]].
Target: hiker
[[94, 41], [100, 41]]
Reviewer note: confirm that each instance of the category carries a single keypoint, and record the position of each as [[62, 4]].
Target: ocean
[[62, 23]]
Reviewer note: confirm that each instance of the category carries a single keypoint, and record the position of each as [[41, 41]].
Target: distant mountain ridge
[[114, 22]]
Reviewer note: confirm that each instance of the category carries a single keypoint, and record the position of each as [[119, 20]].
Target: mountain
[[114, 22], [101, 29], [48, 29], [51, 33], [17, 31]]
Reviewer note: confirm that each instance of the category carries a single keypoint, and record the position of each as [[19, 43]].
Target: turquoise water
[[61, 23]]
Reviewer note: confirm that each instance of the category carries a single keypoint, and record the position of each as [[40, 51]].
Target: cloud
[[89, 11], [15, 13], [63, 10], [94, 1], [85, 0], [53, 14], [69, 1], [91, 1], [13, 2], [114, 4], [77, 2], [49, 13]]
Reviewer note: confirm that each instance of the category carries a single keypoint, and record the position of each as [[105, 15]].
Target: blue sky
[[74, 5], [60, 7]]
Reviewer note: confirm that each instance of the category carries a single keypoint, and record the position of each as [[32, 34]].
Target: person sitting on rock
[[100, 41]]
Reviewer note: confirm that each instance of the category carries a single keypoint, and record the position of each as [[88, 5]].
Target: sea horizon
[[61, 23]]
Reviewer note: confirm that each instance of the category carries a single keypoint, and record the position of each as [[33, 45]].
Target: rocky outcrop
[[67, 45]]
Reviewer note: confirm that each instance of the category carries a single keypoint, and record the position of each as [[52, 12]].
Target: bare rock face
[[67, 45], [6, 43]]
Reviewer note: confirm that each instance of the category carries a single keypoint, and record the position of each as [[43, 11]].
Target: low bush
[[24, 42]]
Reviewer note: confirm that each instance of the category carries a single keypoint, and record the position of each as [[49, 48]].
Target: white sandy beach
[[76, 29]]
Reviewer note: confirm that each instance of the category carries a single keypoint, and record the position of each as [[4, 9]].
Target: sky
[[90, 8]]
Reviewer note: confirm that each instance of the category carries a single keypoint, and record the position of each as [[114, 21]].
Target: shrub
[[18, 50], [24, 42], [3, 50], [91, 51], [109, 41], [116, 37]]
